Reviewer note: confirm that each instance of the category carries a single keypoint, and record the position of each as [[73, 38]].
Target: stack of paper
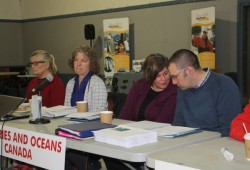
[[125, 137], [88, 116], [24, 107], [163, 129], [58, 111], [175, 131], [147, 125]]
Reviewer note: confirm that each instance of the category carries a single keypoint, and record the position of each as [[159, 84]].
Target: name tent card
[[42, 150]]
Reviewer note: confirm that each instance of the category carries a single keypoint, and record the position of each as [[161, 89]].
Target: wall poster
[[203, 36], [116, 46]]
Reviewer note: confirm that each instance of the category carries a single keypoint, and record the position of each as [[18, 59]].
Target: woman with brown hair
[[151, 98], [154, 96], [86, 85]]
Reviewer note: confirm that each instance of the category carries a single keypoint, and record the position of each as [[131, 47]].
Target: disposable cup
[[106, 117], [247, 145], [82, 106], [30, 104]]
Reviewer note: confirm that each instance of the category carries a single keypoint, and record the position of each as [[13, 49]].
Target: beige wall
[[162, 29], [11, 52], [61, 7], [10, 9], [226, 35], [28, 9]]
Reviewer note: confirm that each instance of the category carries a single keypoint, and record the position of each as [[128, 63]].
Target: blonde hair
[[48, 58]]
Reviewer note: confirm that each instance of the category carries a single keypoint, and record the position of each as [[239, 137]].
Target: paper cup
[[30, 102], [106, 117], [247, 145], [82, 106]]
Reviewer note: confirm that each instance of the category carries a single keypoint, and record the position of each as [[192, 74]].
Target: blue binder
[[83, 130]]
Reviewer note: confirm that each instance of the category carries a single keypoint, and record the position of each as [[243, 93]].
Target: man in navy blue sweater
[[205, 99]]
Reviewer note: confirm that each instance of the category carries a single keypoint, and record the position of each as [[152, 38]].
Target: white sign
[[161, 165], [203, 36], [42, 150], [116, 46]]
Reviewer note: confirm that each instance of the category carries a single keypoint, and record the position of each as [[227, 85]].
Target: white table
[[26, 76], [135, 154], [205, 155], [8, 73]]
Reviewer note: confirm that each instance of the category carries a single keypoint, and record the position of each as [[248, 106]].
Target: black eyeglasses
[[35, 63]]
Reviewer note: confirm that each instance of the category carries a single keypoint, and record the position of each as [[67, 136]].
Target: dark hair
[[183, 58], [120, 43], [90, 53], [154, 64]]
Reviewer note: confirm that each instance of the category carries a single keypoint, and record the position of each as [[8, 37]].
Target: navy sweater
[[210, 107]]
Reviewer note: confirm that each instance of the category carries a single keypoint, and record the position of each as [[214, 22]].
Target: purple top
[[160, 109]]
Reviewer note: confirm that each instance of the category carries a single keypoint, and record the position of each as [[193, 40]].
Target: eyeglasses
[[173, 77], [35, 63]]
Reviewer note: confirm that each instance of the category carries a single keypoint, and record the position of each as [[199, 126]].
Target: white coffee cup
[[247, 145], [106, 117], [82, 106], [36, 103]]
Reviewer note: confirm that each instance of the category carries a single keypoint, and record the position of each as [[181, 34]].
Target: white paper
[[125, 137], [172, 131], [162, 129], [161, 165], [88, 116], [147, 125], [58, 111], [83, 115], [227, 155]]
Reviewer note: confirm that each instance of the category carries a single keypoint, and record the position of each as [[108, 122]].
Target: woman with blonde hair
[[43, 65]]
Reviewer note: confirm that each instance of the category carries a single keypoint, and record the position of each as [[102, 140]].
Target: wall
[[154, 28], [44, 8], [11, 52], [10, 9], [15, 12], [247, 52]]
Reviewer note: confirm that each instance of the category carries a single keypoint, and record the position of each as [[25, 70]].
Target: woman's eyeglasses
[[35, 63]]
